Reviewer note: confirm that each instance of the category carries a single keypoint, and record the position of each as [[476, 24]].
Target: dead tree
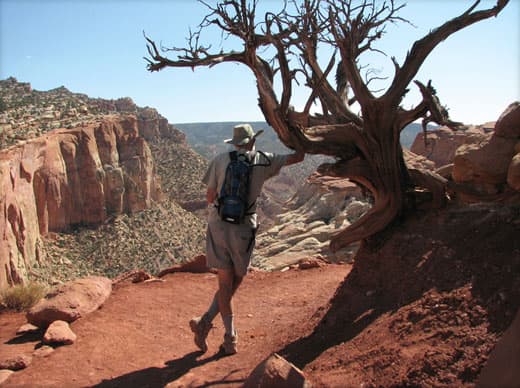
[[282, 48]]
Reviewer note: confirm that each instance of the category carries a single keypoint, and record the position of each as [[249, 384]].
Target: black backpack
[[233, 200]]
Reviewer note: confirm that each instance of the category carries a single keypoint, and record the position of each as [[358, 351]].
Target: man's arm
[[211, 195]]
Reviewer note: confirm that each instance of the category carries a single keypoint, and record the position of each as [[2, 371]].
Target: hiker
[[230, 241]]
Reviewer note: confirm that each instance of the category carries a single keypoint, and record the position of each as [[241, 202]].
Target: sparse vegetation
[[22, 297], [3, 105]]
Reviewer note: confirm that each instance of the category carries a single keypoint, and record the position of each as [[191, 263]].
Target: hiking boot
[[200, 327], [229, 346]]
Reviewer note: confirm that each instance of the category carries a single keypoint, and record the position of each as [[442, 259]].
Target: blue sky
[[96, 47]]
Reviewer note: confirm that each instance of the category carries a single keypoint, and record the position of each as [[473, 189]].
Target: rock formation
[[321, 207], [275, 371], [440, 144], [69, 177], [491, 167], [481, 163]]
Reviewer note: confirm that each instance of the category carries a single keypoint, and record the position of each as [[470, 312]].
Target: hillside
[[426, 318], [207, 138], [152, 239]]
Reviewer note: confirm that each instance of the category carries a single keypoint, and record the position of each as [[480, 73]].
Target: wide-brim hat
[[243, 134]]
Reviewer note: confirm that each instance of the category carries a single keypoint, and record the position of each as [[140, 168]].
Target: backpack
[[233, 200]]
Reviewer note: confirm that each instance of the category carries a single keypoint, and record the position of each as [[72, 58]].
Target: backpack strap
[[267, 164]]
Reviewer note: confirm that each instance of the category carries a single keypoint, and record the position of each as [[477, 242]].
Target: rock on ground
[[275, 371], [71, 301], [59, 332], [16, 363]]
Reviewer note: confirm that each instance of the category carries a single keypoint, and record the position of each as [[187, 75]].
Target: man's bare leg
[[228, 283]]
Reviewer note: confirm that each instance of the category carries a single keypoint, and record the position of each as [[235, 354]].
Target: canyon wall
[[70, 177]]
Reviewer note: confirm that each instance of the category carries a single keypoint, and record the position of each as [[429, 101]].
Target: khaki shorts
[[229, 246]]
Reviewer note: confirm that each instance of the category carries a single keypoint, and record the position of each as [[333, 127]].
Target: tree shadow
[[307, 349], [159, 377], [439, 252]]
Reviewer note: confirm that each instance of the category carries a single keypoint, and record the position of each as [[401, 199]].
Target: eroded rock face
[[69, 177], [491, 165], [441, 144], [322, 207], [484, 160]]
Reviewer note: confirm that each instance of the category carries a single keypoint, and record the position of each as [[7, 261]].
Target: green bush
[[22, 297]]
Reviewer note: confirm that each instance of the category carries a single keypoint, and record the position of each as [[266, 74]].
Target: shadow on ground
[[474, 247], [159, 377]]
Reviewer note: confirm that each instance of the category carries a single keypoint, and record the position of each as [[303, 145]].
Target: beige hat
[[243, 134]]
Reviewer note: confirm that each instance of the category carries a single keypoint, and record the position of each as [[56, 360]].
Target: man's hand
[[211, 195]]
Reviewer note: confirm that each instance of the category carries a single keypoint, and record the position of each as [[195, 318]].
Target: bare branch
[[285, 47], [438, 113], [423, 47]]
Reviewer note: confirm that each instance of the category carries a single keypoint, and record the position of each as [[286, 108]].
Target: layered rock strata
[[68, 177], [322, 206]]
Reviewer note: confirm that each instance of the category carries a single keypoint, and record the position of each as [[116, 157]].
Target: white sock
[[228, 324]]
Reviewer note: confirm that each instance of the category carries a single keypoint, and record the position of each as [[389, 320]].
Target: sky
[[96, 47]]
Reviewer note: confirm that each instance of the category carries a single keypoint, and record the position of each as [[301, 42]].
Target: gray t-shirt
[[265, 166]]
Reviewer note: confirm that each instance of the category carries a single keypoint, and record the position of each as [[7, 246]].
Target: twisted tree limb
[[365, 144]]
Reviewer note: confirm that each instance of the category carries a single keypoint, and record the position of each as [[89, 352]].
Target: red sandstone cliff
[[68, 177]]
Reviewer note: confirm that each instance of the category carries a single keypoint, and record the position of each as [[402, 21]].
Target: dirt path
[[141, 338]]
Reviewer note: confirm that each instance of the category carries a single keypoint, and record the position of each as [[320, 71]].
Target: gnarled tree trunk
[[366, 146]]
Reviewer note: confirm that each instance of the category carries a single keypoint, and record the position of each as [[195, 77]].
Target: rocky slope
[[70, 177], [85, 173]]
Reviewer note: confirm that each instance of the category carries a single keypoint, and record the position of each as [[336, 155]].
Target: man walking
[[229, 246]]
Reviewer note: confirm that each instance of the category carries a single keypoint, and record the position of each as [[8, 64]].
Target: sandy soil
[[141, 337], [424, 306]]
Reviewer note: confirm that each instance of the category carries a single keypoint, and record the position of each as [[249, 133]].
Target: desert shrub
[[22, 297]]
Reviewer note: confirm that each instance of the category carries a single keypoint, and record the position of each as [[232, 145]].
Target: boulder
[[275, 371], [59, 332], [508, 124], [513, 173], [27, 328], [501, 369], [195, 265], [4, 375], [16, 363], [43, 351], [484, 163], [71, 301], [492, 164], [441, 144]]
